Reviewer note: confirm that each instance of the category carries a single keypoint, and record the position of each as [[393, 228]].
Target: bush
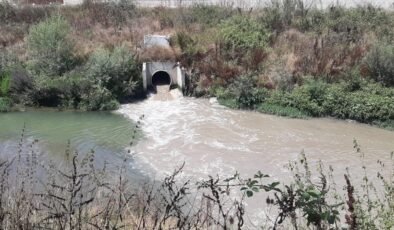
[[367, 107], [241, 34], [380, 62], [209, 15], [5, 104], [21, 86], [50, 48], [185, 42], [243, 93], [282, 14], [6, 11], [98, 98], [26, 14], [4, 83], [107, 77], [113, 13], [307, 98], [116, 70]]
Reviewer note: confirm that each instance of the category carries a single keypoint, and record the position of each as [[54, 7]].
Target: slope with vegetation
[[286, 58]]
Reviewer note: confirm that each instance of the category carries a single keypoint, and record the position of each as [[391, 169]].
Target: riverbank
[[354, 99], [262, 59], [190, 152]]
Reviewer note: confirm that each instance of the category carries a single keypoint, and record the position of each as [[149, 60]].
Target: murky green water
[[106, 133]]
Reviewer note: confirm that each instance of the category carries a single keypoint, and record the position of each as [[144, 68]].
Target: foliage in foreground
[[80, 194]]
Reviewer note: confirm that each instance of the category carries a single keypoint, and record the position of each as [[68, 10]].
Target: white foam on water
[[212, 140]]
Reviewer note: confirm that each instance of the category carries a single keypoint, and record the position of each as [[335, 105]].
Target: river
[[209, 138], [106, 133], [212, 139]]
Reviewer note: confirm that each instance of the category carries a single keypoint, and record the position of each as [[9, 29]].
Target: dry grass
[[157, 53], [326, 53], [11, 35], [317, 55]]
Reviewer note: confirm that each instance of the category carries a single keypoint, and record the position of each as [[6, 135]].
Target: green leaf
[[314, 193], [249, 193]]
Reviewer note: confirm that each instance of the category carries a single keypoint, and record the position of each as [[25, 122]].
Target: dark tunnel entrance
[[161, 78]]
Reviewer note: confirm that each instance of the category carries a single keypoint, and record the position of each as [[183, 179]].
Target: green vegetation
[[5, 102], [241, 34], [281, 110], [287, 58], [380, 63], [50, 47], [355, 99], [83, 194], [54, 75]]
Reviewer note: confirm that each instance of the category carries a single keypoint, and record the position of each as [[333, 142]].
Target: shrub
[[380, 62], [116, 70], [185, 42], [367, 107], [6, 11], [98, 98], [307, 98], [242, 34], [209, 15], [7, 60], [113, 13], [243, 93], [281, 14], [4, 83], [5, 104], [335, 101], [50, 48], [21, 86]]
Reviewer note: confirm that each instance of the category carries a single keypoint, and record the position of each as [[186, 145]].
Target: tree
[[50, 47]]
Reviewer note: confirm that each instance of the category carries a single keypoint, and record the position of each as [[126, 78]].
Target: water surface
[[106, 133]]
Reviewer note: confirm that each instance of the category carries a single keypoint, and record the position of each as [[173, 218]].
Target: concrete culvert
[[161, 78]]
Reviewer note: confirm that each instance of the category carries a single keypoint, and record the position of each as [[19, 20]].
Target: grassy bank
[[93, 55], [355, 99]]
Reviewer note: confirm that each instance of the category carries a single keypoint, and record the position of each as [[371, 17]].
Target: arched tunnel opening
[[161, 78]]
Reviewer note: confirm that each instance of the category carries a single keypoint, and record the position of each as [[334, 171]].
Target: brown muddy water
[[210, 139], [214, 140]]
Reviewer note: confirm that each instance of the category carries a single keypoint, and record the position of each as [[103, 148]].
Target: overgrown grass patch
[[228, 102], [389, 125], [279, 110]]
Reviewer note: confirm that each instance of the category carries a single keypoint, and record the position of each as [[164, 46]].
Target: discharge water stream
[[213, 140], [209, 138]]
